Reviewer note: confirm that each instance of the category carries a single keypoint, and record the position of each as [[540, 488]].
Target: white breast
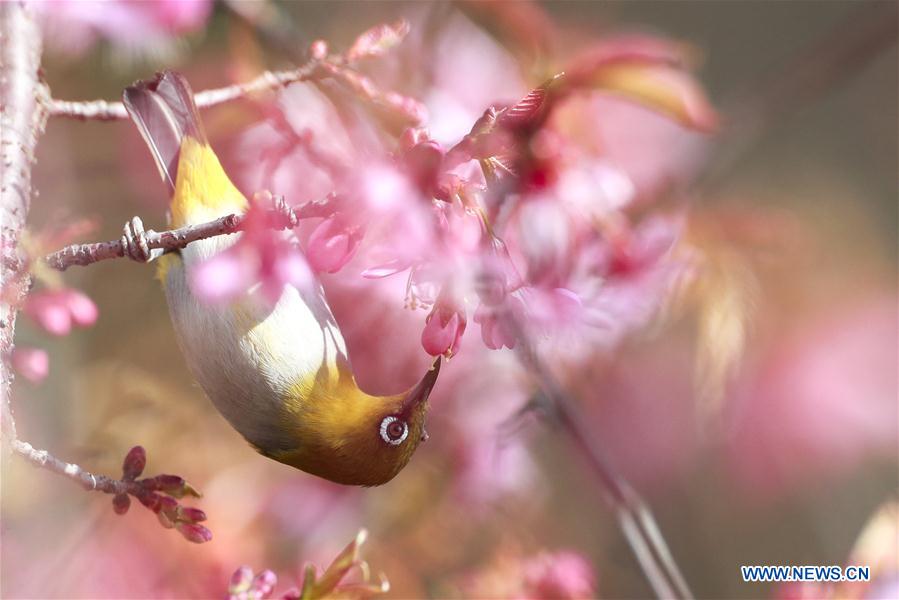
[[248, 354]]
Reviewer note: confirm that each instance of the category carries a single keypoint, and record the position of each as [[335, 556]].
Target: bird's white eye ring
[[394, 431]]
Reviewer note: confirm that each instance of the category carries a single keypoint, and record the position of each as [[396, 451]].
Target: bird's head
[[353, 438]]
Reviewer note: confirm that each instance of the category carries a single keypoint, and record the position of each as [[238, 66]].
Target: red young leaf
[[530, 108]]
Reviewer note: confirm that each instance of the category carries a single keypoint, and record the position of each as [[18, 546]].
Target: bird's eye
[[394, 431]]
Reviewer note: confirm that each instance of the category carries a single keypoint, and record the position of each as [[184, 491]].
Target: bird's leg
[[280, 207], [134, 242]]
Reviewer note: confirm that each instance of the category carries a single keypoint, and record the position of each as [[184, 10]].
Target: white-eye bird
[[279, 374]]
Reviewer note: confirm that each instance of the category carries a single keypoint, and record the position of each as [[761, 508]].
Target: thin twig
[[160, 494], [405, 110], [103, 110], [282, 217], [21, 122], [175, 239], [86, 479], [634, 517]]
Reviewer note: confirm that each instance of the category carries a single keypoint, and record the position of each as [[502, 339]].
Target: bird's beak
[[422, 389]]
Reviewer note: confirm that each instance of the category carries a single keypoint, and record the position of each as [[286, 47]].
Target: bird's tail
[[164, 111]]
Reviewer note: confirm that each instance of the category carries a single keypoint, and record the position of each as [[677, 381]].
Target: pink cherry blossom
[[57, 310], [500, 322], [522, 208], [31, 363], [444, 328], [261, 256], [332, 244], [75, 26]]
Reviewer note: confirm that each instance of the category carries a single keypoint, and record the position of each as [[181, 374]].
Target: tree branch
[[103, 110], [86, 479], [23, 120], [175, 239], [159, 494], [399, 109], [283, 217]]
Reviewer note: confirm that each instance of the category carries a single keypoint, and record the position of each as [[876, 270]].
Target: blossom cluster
[[521, 226]]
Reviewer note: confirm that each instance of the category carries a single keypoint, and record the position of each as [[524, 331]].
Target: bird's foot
[[279, 206], [134, 242]]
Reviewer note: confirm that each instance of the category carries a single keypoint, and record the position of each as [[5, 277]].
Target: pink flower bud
[[151, 500], [57, 310], [83, 310], [167, 483], [134, 463], [264, 583], [443, 329], [31, 363], [240, 580], [167, 506], [191, 515], [332, 244], [291, 594], [44, 309], [193, 532], [121, 503]]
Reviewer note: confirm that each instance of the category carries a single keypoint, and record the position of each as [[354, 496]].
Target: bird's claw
[[280, 206], [134, 242]]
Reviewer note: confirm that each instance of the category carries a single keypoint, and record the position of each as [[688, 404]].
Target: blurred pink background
[[746, 384]]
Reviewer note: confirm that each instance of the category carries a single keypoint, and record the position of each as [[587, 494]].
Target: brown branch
[[103, 110], [319, 66], [175, 239], [21, 122], [283, 217]]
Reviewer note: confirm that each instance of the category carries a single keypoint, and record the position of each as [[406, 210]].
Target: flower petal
[[31, 363], [222, 277]]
